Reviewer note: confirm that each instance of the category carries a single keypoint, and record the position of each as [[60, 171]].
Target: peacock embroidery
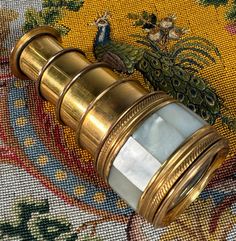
[[168, 61]]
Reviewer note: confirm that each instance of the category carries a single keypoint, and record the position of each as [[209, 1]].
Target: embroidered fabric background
[[48, 187]]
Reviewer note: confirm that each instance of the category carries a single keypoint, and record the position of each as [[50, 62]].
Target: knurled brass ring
[[49, 62], [104, 141], [177, 164], [125, 125], [68, 86], [165, 214]]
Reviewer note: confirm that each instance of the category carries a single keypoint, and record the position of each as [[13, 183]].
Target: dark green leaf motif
[[50, 14], [33, 222], [168, 60], [216, 3], [230, 14]]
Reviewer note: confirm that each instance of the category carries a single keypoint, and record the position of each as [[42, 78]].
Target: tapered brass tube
[[153, 151]]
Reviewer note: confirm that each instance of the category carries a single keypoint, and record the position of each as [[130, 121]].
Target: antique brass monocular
[[153, 151]]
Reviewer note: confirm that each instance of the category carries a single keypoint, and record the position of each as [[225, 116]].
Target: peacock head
[[102, 20]]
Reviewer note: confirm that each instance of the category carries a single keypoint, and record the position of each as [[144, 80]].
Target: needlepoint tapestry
[[49, 189]]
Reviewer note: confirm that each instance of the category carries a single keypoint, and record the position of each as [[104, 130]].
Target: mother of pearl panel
[[153, 142]]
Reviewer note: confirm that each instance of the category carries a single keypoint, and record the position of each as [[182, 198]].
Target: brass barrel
[[113, 116]]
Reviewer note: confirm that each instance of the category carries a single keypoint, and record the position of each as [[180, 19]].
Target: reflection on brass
[[104, 111], [163, 183], [214, 156], [68, 86], [125, 126], [48, 63]]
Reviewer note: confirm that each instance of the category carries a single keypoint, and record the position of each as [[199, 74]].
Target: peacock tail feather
[[169, 72], [173, 69]]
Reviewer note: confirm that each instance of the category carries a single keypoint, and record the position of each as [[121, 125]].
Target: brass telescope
[[154, 152]]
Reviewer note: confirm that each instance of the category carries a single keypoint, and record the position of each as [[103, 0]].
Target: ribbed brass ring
[[24, 42], [177, 164], [68, 86], [134, 123], [172, 170], [49, 62], [215, 155], [125, 125], [91, 105], [176, 161], [115, 124]]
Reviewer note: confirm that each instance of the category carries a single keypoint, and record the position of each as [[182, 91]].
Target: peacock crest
[[168, 60]]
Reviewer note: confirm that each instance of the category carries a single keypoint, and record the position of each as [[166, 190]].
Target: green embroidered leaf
[[191, 62], [139, 22], [50, 14], [62, 29], [145, 15], [33, 19], [145, 20], [193, 49], [206, 44], [194, 56], [216, 3], [231, 14], [133, 16], [51, 3], [73, 5]]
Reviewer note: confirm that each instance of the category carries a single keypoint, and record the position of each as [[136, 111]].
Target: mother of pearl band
[[153, 151]]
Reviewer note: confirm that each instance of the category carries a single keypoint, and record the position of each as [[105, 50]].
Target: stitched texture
[[49, 189]]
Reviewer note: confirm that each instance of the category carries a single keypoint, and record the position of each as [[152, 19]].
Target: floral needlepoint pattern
[[34, 222], [230, 14], [203, 231], [50, 14]]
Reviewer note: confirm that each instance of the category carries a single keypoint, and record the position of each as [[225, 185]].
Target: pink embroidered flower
[[231, 28]]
